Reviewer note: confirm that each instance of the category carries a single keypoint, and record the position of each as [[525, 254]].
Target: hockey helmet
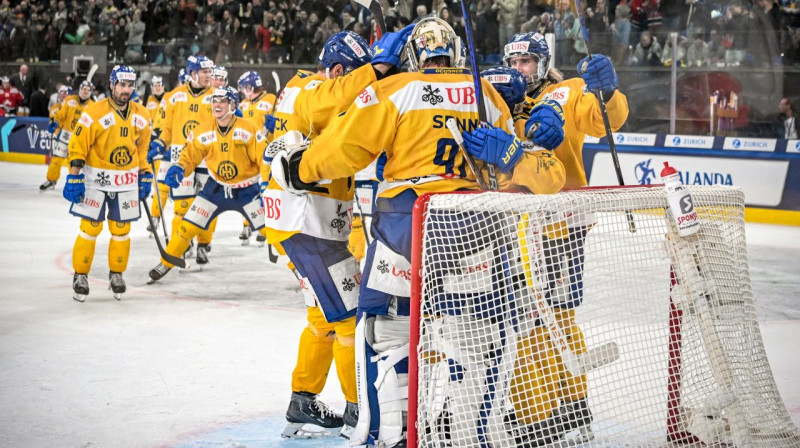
[[226, 93], [508, 82], [532, 44], [121, 73], [433, 37], [157, 80], [220, 72], [182, 76], [249, 79], [346, 48], [196, 63]]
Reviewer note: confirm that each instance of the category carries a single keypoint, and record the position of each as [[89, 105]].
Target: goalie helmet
[[508, 82], [532, 44], [196, 63], [226, 93], [121, 73], [346, 48], [433, 37]]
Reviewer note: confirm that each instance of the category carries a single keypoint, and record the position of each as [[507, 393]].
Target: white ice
[[204, 359]]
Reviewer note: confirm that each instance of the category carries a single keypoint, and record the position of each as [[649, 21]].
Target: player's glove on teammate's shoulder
[[494, 146], [546, 124], [387, 50]]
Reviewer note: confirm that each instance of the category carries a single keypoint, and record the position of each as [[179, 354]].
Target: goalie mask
[[430, 38], [529, 44]]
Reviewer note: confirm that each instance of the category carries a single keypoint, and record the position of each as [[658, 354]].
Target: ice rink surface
[[204, 359]]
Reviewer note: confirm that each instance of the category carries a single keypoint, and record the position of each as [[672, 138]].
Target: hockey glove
[[549, 117], [157, 150], [494, 146], [269, 123], [145, 185], [380, 165], [388, 49], [51, 128], [74, 189], [599, 74], [174, 176], [285, 171]]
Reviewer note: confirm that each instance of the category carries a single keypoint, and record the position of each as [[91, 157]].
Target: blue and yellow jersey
[[233, 157], [152, 104], [257, 109], [409, 111], [70, 111], [181, 111]]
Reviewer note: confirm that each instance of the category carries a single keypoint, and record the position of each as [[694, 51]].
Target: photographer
[[277, 39]]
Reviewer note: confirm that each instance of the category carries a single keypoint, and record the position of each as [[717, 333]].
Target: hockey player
[[256, 106], [233, 149], [64, 121], [407, 113], [313, 229], [52, 129], [108, 177], [153, 103], [219, 76], [529, 54], [184, 108], [10, 97]]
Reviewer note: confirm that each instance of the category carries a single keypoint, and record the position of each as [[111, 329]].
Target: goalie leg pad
[[535, 384]]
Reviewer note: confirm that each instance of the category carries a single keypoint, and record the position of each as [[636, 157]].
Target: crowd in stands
[[634, 32]]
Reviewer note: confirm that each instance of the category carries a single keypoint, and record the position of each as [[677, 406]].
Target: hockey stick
[[160, 205], [453, 127], [273, 258], [92, 71], [179, 262], [577, 364], [277, 83], [604, 112], [375, 7], [476, 79]]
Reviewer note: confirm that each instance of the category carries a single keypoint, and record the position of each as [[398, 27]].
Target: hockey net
[[583, 319]]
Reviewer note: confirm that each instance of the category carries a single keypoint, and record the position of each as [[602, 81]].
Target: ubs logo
[[227, 170], [120, 156], [188, 128]]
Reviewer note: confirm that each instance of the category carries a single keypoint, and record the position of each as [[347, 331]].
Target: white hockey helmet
[[433, 37]]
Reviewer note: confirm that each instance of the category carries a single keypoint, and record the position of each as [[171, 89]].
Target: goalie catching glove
[[287, 152]]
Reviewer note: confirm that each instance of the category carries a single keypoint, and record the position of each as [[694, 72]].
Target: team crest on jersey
[[107, 120], [431, 95], [227, 170], [179, 97], [120, 156], [207, 137], [188, 127], [86, 120], [139, 121]]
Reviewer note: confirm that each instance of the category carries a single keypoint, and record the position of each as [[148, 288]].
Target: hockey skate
[[202, 254], [261, 240], [577, 421], [47, 185], [308, 417], [349, 419], [157, 273], [152, 230], [538, 434], [189, 253], [80, 287], [245, 235], [116, 284]]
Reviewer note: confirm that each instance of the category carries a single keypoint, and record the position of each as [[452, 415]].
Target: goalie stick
[[577, 364], [375, 7], [179, 262], [160, 205]]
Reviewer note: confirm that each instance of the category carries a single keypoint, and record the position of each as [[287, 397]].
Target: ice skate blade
[[346, 431], [79, 297], [118, 295], [307, 431]]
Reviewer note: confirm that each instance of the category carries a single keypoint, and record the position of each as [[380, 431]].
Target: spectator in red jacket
[[10, 97]]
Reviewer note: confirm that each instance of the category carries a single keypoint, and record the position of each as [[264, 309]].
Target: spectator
[[788, 127], [17, 39], [135, 29], [328, 28], [304, 30], [620, 34], [716, 50], [737, 28], [792, 53], [597, 24], [118, 38], [263, 37], [226, 40], [278, 36], [487, 27], [648, 50], [666, 53], [10, 97], [697, 53], [764, 33], [566, 28], [24, 83], [61, 11], [210, 35], [506, 18], [348, 22], [39, 102], [422, 11]]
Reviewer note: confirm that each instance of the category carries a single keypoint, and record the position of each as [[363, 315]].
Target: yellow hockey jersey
[[70, 111], [152, 104], [181, 111], [257, 109], [113, 144], [308, 103], [405, 115], [582, 116], [233, 157]]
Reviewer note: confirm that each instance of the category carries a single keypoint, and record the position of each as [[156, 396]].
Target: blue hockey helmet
[[532, 44], [182, 76], [196, 63], [346, 48], [508, 82], [228, 93], [249, 79], [433, 37], [121, 73]]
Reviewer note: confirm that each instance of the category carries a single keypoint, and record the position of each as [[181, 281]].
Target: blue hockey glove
[[549, 117], [387, 50], [380, 165], [157, 148], [74, 189], [495, 146], [51, 128], [174, 176], [145, 185], [238, 113], [269, 123], [598, 73]]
